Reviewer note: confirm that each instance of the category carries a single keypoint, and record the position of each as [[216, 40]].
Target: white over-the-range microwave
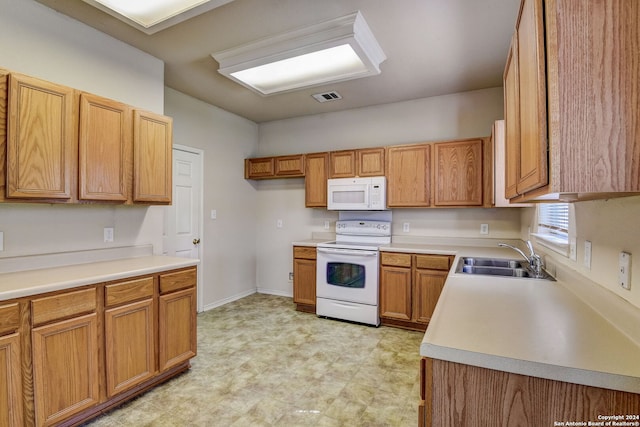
[[357, 194]]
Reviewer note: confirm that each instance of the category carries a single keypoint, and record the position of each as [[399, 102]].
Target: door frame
[[200, 153]]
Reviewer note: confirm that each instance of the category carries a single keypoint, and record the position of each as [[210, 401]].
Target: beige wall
[[612, 227], [37, 41], [228, 243], [460, 115]]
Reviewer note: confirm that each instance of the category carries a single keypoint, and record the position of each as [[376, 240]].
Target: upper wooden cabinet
[[315, 180], [41, 139], [104, 149], [458, 173], [577, 109], [152, 157], [275, 167], [352, 163], [58, 145], [511, 125], [408, 175]]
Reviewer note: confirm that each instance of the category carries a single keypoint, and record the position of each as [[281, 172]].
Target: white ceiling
[[433, 47]]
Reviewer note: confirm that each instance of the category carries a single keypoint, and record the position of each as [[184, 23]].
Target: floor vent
[[327, 96]]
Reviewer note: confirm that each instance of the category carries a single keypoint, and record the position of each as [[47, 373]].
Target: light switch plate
[[573, 250], [108, 234], [624, 272], [587, 254]]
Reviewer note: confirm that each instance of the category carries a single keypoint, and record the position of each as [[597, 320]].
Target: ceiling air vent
[[327, 96]]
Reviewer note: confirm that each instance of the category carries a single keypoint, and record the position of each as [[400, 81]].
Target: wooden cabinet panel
[[315, 181], [41, 139], [408, 175], [60, 306], [170, 282], [130, 345], [395, 294], [434, 262], [342, 164], [511, 144], [176, 328], [428, 285], [304, 281], [11, 414], [370, 162], [128, 291], [289, 166], [65, 368], [458, 173], [259, 168], [152, 157], [306, 252], [4, 81], [104, 149], [395, 259], [9, 318], [532, 160]]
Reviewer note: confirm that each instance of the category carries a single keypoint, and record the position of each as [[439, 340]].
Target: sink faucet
[[535, 261]]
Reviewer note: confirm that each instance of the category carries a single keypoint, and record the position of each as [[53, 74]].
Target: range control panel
[[363, 228]]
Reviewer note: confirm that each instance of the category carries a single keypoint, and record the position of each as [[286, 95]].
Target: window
[[553, 223]]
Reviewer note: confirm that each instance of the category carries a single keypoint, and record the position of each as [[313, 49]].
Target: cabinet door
[[104, 149], [342, 164], [259, 168], [41, 139], [427, 287], [152, 145], [10, 381], [177, 327], [304, 281], [395, 293], [315, 181], [65, 368], [511, 124], [408, 175], [4, 80], [532, 160], [458, 173], [370, 162], [130, 345], [289, 166]]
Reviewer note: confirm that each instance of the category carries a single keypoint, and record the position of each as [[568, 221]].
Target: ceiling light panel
[[336, 50], [151, 16]]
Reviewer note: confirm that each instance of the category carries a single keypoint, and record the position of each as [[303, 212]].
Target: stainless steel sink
[[496, 267]]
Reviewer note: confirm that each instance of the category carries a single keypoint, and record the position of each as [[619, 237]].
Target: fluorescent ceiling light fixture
[[331, 51], [151, 16]]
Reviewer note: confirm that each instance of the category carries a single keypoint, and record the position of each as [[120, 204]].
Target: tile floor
[[261, 363]]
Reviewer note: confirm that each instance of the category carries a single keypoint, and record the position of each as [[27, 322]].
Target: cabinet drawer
[[9, 318], [304, 252], [433, 262], [395, 259], [179, 280], [131, 290], [59, 306]]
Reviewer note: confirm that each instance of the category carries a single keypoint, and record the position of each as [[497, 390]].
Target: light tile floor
[[261, 363]]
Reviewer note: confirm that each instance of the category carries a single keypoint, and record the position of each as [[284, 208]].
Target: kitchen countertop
[[524, 326], [25, 283]]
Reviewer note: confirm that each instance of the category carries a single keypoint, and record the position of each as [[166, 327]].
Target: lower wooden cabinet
[[410, 285], [67, 356], [65, 368], [304, 278], [177, 327], [455, 394], [10, 381]]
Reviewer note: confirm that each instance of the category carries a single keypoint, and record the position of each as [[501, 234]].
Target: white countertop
[[24, 283], [524, 326]]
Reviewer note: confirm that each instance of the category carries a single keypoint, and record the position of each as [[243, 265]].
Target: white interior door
[[183, 219]]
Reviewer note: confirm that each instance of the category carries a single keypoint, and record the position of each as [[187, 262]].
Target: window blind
[[553, 218]]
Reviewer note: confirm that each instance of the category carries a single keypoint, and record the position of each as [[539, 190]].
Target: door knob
[[196, 241]]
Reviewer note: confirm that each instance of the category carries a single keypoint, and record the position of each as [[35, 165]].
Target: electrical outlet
[[573, 250], [624, 272], [108, 234], [484, 228], [587, 254], [326, 225], [214, 214], [406, 227], [291, 276], [279, 223]]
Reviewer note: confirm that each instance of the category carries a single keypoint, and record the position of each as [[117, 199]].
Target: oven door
[[347, 275]]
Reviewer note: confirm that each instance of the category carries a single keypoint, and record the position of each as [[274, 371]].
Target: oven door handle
[[347, 252]]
